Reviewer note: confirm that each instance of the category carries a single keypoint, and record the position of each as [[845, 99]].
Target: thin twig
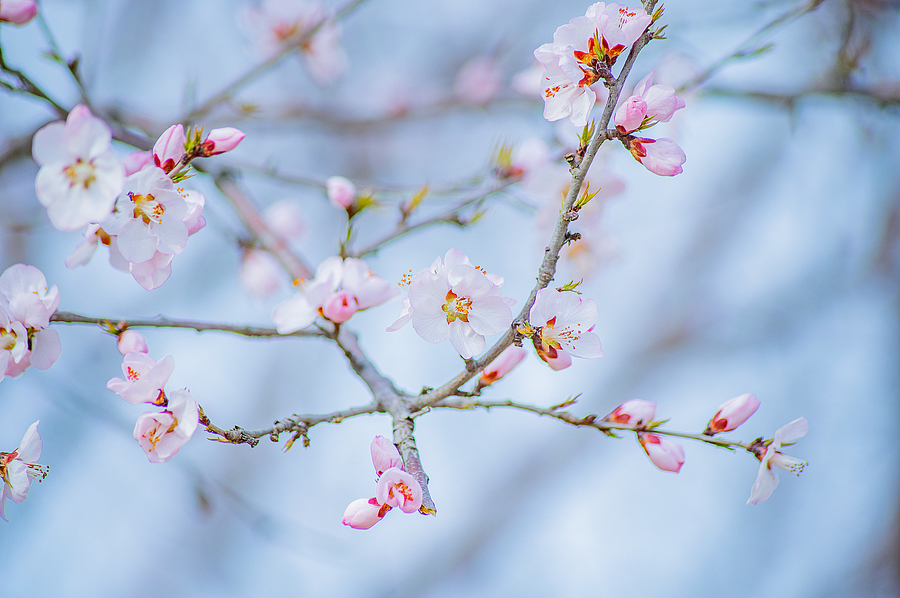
[[164, 322]]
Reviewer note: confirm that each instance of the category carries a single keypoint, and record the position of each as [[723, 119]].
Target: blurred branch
[[290, 46], [57, 55], [164, 322], [885, 98], [27, 86]]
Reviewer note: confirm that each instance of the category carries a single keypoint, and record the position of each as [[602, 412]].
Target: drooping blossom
[[564, 323], [766, 480], [649, 105], [80, 176], [26, 305], [478, 81], [341, 192], [635, 411], [504, 364], [660, 156], [131, 341], [394, 488], [340, 288], [664, 453], [279, 24], [732, 413], [18, 12], [455, 299], [145, 379], [162, 434], [19, 468]]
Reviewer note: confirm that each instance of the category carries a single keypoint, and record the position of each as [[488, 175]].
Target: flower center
[[147, 208], [591, 61], [7, 339], [457, 308], [80, 173], [402, 489], [133, 374]]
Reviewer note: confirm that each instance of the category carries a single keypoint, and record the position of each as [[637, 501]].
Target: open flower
[[664, 453], [766, 480], [397, 488], [80, 176], [145, 379], [19, 468], [26, 305], [340, 288], [455, 299], [564, 323], [162, 435]]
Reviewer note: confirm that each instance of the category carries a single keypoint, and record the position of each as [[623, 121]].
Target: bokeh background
[[769, 266]]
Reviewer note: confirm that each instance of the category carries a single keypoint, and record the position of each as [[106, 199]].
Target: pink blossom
[[732, 413], [136, 161], [13, 342], [260, 274], [149, 217], [664, 453], [132, 341], [363, 513], [635, 412], [152, 273], [455, 299], [169, 148], [18, 12], [384, 455], [80, 176], [478, 81], [144, 380], [25, 296], [275, 24], [504, 364], [346, 286], [564, 322], [660, 156], [397, 488], [766, 480], [222, 140], [19, 468], [620, 26], [341, 192], [649, 105], [162, 435]]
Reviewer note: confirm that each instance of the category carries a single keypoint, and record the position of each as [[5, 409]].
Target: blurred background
[[771, 266]]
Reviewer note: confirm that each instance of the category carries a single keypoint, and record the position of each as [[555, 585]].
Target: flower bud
[[664, 453], [660, 156], [341, 192], [169, 148], [18, 12], [222, 140], [384, 455], [397, 488], [635, 411], [630, 115], [340, 307], [363, 513], [732, 413], [504, 364], [132, 341]]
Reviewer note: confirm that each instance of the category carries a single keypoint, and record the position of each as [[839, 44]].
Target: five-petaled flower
[[161, 435], [19, 468], [563, 323], [455, 299], [769, 455], [79, 177]]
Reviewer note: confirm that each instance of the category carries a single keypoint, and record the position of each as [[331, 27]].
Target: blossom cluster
[[395, 488], [160, 434], [26, 305]]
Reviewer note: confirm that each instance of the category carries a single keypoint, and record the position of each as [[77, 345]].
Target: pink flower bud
[[660, 156], [397, 488], [364, 513], [18, 12], [504, 364], [384, 455], [665, 454], [135, 161], [635, 412], [340, 307], [732, 413], [132, 341], [222, 140], [341, 192], [630, 115], [169, 148]]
